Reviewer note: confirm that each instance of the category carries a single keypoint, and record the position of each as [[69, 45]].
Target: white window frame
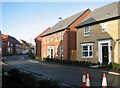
[[56, 36], [44, 39], [61, 50], [48, 39], [8, 43], [88, 45], [104, 27], [87, 33], [44, 52], [51, 37], [61, 35], [8, 49], [56, 51]]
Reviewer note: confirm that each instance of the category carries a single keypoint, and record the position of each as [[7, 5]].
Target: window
[[44, 39], [8, 43], [61, 50], [48, 40], [104, 27], [9, 50], [44, 52], [87, 50], [61, 35], [87, 31], [11, 44], [56, 51], [51, 37], [56, 37]]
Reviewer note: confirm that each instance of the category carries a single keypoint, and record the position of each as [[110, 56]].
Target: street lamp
[[61, 41]]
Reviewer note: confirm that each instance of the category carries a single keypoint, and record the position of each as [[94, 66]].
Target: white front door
[[51, 51], [104, 51]]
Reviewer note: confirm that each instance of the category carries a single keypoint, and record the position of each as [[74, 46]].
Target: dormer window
[[104, 27], [87, 31]]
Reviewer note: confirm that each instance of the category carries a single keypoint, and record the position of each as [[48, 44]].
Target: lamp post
[[61, 40]]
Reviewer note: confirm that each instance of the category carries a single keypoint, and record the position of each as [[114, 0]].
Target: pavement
[[113, 71]]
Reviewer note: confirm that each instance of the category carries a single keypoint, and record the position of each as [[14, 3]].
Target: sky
[[26, 20]]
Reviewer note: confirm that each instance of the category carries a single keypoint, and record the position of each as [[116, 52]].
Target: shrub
[[33, 57], [115, 65]]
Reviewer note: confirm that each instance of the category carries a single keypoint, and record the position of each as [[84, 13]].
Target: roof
[[64, 23], [14, 40], [39, 36], [23, 41], [4, 36], [102, 13]]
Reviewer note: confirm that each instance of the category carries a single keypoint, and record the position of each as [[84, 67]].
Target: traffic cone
[[104, 81], [88, 81], [4, 58], [84, 79], [22, 58]]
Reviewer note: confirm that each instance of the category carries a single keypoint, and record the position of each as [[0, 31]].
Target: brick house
[[25, 46], [60, 40], [9, 45], [17, 47], [38, 41], [98, 35]]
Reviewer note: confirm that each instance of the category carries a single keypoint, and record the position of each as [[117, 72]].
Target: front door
[[104, 51], [51, 51], [105, 54]]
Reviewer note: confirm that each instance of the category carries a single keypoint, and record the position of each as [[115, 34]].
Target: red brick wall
[[38, 48], [72, 36], [69, 41]]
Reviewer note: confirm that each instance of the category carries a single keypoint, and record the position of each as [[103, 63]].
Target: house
[[32, 48], [10, 45], [98, 35], [25, 46], [59, 41], [0, 44], [17, 47], [38, 41]]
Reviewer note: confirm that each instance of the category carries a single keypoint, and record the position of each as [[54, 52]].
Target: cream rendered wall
[[119, 41]]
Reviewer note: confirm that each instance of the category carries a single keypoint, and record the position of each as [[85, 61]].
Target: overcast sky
[[26, 20]]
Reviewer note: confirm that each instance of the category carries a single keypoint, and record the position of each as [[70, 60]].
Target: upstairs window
[[87, 31], [44, 40], [104, 27], [48, 40], [56, 37], [61, 35], [8, 43], [44, 52]]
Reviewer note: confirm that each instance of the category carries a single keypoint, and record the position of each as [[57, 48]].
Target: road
[[67, 75]]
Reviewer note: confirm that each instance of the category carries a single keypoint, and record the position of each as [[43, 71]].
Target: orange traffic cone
[[84, 79], [4, 58], [22, 58], [104, 81], [88, 81]]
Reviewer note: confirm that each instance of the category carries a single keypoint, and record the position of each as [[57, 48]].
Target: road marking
[[33, 61], [114, 73], [66, 85], [109, 72]]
